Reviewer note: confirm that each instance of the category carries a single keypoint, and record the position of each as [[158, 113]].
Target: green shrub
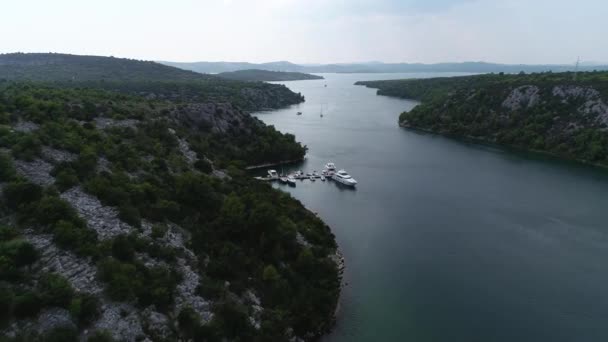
[[101, 336], [123, 248], [27, 148], [82, 240], [159, 231], [130, 215], [27, 305], [20, 193], [55, 290], [7, 170], [85, 309], [7, 298], [61, 334], [65, 179], [8, 233]]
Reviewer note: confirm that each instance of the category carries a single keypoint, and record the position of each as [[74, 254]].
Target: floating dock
[[301, 177]]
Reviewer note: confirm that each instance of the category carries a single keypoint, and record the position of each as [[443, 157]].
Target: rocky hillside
[[142, 78], [130, 218], [563, 114], [265, 75]]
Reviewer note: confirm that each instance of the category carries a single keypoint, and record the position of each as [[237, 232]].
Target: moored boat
[[344, 178], [329, 169], [272, 174]]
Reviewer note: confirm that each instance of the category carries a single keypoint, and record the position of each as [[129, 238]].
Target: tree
[[101, 336], [188, 321], [26, 254], [123, 248], [18, 193], [55, 290], [62, 334], [7, 170], [85, 309], [270, 274], [27, 305], [7, 297]]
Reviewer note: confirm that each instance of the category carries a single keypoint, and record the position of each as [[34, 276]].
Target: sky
[[312, 31]]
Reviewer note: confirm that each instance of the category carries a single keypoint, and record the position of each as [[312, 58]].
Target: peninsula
[[563, 114], [266, 75], [126, 213]]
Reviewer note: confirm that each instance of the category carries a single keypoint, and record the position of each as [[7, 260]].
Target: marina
[[329, 173]]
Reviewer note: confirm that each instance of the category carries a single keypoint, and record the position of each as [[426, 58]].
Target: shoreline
[[482, 141], [282, 162]]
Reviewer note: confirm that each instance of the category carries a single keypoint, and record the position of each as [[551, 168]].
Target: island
[[126, 213], [266, 75], [562, 114]]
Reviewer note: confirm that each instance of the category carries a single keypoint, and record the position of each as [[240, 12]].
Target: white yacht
[[330, 169], [291, 180], [272, 174], [344, 178]]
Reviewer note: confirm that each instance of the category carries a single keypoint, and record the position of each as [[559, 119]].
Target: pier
[[301, 177]]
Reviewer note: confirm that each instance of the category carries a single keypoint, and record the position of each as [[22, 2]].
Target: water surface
[[448, 241]]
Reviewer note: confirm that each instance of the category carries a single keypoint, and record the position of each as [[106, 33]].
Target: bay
[[445, 240]]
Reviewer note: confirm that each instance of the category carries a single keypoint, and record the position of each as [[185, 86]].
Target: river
[[445, 240]]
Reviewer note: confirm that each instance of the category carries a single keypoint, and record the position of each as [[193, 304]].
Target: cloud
[[511, 31]]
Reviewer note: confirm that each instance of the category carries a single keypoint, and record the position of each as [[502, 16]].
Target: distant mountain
[[265, 75], [65, 67], [145, 78], [379, 67]]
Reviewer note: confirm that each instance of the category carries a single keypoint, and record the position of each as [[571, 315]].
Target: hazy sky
[[311, 31]]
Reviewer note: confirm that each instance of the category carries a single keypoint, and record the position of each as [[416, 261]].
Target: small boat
[[309, 174], [299, 113], [291, 180], [272, 174], [283, 179], [323, 178], [312, 178], [315, 174]]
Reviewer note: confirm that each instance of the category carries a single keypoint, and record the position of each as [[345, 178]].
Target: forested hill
[[142, 78], [130, 218], [265, 75], [559, 113], [65, 67]]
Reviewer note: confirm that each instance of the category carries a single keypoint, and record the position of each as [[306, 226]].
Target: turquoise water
[[449, 241]]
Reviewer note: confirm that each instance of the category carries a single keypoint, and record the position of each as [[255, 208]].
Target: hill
[[126, 217], [559, 113], [379, 67], [142, 78], [268, 76]]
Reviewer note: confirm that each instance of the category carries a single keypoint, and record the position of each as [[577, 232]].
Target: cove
[[446, 240]]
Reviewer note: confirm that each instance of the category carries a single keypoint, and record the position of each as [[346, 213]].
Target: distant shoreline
[[481, 141], [282, 162]]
